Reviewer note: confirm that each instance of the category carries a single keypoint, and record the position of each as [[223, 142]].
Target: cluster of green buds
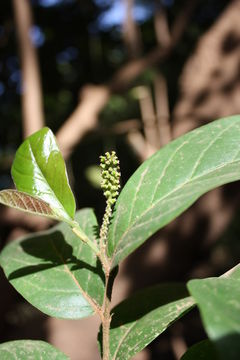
[[110, 184]]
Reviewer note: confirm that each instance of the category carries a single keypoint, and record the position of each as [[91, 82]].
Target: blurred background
[[130, 76]]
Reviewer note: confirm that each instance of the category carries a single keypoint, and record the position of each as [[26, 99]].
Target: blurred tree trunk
[[131, 32], [210, 81], [85, 116], [32, 107]]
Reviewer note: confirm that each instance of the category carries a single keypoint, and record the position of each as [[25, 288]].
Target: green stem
[[100, 253], [78, 231]]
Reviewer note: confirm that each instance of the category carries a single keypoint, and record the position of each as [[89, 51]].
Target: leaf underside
[[30, 350], [171, 180], [218, 301], [24, 202], [55, 271], [39, 170], [138, 320]]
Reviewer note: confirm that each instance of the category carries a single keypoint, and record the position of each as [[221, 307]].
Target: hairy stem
[[106, 320]]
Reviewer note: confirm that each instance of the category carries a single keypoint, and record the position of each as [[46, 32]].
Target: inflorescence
[[110, 184]]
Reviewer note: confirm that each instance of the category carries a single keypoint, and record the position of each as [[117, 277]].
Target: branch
[[162, 109], [131, 32], [161, 27], [32, 108], [95, 97], [83, 119], [148, 116]]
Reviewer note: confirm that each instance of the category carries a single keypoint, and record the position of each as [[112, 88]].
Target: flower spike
[[110, 184]]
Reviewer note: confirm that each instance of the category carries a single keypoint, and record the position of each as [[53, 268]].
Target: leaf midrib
[[37, 213], [189, 180], [52, 191], [122, 339], [90, 300], [191, 304]]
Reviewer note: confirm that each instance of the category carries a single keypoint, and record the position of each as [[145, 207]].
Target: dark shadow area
[[228, 346], [145, 301], [19, 319], [230, 43], [204, 350], [170, 253], [96, 232], [201, 97], [55, 251]]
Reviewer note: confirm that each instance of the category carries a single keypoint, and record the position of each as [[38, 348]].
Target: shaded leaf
[[171, 180], [218, 301], [55, 271], [204, 350], [138, 320], [22, 201], [39, 170], [30, 350]]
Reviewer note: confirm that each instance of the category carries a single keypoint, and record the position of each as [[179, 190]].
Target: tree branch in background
[[161, 27], [32, 107], [129, 72], [138, 144], [131, 32], [85, 116], [149, 120], [162, 109]]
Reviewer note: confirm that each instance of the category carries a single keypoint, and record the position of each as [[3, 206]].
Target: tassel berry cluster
[[110, 184]]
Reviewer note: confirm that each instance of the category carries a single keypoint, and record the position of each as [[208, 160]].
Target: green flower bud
[[110, 184]]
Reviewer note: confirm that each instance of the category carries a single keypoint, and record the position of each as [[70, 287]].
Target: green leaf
[[30, 350], [171, 180], [39, 170], [218, 300], [204, 350], [138, 320], [55, 271], [22, 201]]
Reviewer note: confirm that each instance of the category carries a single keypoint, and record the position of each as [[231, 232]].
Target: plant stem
[[105, 314], [106, 320], [77, 230]]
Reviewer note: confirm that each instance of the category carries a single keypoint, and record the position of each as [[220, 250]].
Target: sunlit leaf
[[39, 170], [218, 300], [171, 180], [30, 350], [138, 320], [55, 271], [22, 201]]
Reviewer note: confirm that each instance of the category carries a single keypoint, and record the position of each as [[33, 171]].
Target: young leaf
[[27, 203], [55, 271], [39, 170], [31, 350], [203, 350], [218, 300], [171, 180], [138, 320]]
